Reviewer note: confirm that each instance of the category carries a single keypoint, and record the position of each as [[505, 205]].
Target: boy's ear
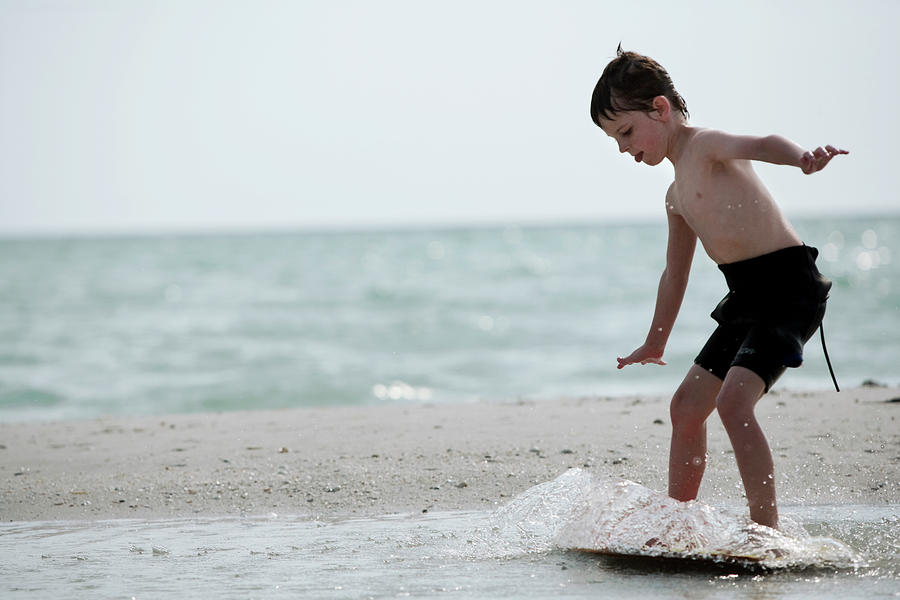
[[663, 108]]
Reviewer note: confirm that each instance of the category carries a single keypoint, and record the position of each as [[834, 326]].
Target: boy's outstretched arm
[[679, 254], [773, 149]]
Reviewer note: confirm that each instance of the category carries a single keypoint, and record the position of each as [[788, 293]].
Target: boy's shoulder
[[702, 137], [716, 144]]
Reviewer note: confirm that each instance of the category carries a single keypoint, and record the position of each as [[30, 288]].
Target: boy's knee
[[733, 411], [737, 399], [689, 409]]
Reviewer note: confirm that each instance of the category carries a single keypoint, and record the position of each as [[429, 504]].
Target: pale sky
[[149, 115]]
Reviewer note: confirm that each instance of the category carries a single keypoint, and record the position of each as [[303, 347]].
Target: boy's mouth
[[639, 157]]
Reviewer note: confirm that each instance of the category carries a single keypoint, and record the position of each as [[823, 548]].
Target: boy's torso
[[728, 207]]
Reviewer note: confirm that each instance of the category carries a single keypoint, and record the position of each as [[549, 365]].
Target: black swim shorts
[[774, 304]]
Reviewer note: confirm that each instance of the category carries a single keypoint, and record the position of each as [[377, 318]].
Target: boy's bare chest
[[703, 188], [729, 209], [693, 189]]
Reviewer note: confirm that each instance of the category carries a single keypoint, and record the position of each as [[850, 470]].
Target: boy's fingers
[[813, 161], [653, 361]]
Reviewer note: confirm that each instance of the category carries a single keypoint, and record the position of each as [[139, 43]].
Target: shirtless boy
[[776, 296]]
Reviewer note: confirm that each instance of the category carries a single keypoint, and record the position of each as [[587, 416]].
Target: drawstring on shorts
[[828, 360]]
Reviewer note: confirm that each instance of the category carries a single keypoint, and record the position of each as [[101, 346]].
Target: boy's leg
[[736, 401], [692, 403]]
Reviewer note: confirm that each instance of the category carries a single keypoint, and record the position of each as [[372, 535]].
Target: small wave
[[29, 397]]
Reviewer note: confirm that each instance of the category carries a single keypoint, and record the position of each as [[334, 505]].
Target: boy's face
[[639, 134]]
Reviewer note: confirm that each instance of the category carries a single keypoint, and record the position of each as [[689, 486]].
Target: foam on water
[[580, 511]]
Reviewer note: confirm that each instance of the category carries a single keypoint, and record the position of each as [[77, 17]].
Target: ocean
[[137, 325]]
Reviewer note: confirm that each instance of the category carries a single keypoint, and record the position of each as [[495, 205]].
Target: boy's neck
[[678, 137]]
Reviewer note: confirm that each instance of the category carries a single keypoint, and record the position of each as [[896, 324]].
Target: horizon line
[[196, 230]]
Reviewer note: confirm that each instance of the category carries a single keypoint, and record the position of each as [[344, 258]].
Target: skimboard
[[640, 557], [624, 520]]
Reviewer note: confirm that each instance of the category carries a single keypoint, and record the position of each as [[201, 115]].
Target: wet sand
[[829, 448]]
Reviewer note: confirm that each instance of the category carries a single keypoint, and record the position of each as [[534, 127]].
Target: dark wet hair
[[630, 82]]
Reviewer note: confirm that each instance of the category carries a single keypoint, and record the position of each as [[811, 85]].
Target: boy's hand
[[643, 355], [810, 162]]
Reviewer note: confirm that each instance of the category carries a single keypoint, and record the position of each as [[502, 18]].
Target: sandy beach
[[830, 448]]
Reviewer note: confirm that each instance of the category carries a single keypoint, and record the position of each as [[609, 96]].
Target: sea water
[[506, 553], [190, 323]]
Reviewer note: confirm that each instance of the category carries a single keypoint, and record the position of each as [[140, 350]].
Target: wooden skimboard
[[640, 558]]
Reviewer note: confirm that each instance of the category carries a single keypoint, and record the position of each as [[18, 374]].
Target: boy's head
[[630, 82]]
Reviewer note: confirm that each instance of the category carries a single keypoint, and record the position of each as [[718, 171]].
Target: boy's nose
[[622, 147]]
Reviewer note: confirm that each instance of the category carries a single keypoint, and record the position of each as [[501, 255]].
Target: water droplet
[[830, 252], [869, 239], [865, 261], [486, 323]]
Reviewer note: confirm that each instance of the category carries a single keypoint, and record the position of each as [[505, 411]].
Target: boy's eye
[[627, 131]]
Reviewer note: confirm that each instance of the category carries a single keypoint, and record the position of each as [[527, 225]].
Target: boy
[[776, 297]]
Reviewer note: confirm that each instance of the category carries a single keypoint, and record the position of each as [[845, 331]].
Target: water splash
[[530, 522], [580, 511]]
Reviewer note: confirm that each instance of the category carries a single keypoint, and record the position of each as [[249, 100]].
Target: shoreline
[[330, 463]]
